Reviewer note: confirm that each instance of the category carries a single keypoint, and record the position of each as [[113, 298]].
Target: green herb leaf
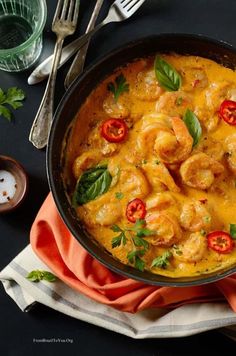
[[179, 101], [120, 86], [13, 98], [119, 240], [134, 258], [116, 228], [139, 228], [162, 261], [119, 195], [207, 219], [193, 125], [38, 275], [139, 242], [139, 264], [5, 112], [167, 76], [93, 183], [233, 231]]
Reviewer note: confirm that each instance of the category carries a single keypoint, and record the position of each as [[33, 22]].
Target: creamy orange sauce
[[160, 168]]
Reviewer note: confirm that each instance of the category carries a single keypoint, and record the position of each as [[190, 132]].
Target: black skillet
[[70, 104]]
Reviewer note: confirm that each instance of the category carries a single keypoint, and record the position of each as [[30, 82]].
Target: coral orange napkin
[[60, 251]]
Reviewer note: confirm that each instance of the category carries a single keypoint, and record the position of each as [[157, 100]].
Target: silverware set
[[64, 24]]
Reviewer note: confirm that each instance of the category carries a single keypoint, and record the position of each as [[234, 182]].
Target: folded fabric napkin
[[152, 323], [59, 250], [88, 291]]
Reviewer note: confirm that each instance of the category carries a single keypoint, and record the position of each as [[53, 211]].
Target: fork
[[77, 65], [64, 24], [120, 10]]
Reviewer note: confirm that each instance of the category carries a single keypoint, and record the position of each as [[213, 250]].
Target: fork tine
[[57, 11], [133, 7], [64, 10], [71, 8], [76, 12], [124, 3]]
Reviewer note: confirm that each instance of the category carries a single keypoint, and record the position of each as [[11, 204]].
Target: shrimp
[[199, 171], [146, 86], [174, 103], [194, 78], [176, 146], [96, 140], [115, 109], [133, 183], [215, 94], [209, 118], [195, 217], [108, 149], [159, 177], [218, 92], [160, 201], [166, 228], [108, 214], [151, 125], [212, 148], [85, 161], [105, 210], [230, 144], [192, 249]]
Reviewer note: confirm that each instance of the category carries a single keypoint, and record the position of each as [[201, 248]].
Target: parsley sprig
[[39, 275], [135, 235], [12, 98], [119, 86], [162, 261], [120, 239]]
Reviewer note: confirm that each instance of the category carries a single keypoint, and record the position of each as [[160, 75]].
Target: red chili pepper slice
[[114, 130], [136, 209], [220, 241], [228, 111]]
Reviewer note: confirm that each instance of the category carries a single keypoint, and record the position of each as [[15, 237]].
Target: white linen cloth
[[153, 323]]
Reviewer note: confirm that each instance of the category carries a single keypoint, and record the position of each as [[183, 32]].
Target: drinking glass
[[21, 27]]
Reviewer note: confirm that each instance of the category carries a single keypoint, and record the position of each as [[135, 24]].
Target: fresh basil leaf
[[193, 125], [166, 74], [93, 183], [233, 231]]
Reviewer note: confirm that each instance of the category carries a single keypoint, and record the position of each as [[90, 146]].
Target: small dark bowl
[[70, 104], [14, 167]]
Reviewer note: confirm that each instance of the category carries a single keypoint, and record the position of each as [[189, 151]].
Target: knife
[[78, 63], [43, 70]]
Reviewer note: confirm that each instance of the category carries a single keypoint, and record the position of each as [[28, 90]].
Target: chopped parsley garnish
[[119, 195], [162, 261], [118, 87]]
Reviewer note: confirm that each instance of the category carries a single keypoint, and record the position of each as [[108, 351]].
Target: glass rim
[[34, 35]]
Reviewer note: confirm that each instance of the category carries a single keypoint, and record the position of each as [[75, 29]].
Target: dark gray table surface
[[214, 18]]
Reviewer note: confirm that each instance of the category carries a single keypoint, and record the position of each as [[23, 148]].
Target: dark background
[[214, 18]]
